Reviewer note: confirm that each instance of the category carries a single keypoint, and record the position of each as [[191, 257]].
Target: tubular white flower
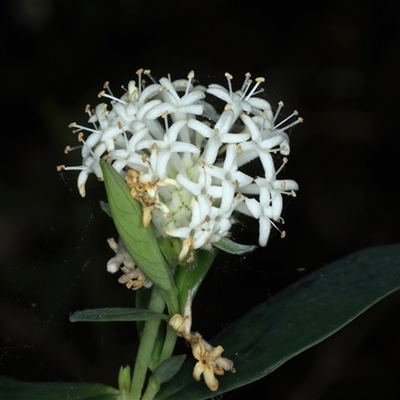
[[183, 158]]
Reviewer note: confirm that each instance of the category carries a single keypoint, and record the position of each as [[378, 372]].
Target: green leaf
[[115, 314], [231, 247], [140, 242], [170, 247], [295, 319], [190, 277], [14, 390], [167, 369]]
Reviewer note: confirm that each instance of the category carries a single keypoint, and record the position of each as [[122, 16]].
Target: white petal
[[111, 132], [136, 138], [234, 137], [250, 189], [220, 92], [120, 153], [147, 107], [211, 151], [230, 158], [82, 178], [173, 131], [149, 92], [196, 109], [161, 165], [196, 214], [170, 89], [249, 151], [272, 142], [289, 185], [252, 127], [201, 238], [215, 191], [121, 110], [225, 122], [217, 172], [204, 205], [201, 128], [189, 185], [135, 126], [181, 147], [119, 165], [159, 110], [260, 103], [241, 178], [228, 194], [265, 230], [268, 165], [100, 150], [225, 225], [93, 139], [254, 207], [192, 98], [277, 205], [182, 233]]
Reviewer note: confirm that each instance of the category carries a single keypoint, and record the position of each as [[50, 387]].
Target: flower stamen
[[147, 72], [246, 83], [258, 82], [109, 96], [189, 82], [292, 124], [229, 77]]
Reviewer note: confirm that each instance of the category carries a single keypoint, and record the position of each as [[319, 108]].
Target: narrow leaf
[[231, 247], [295, 319], [118, 314], [167, 369], [14, 390], [190, 277], [140, 242]]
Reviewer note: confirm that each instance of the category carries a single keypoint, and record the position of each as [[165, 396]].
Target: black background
[[338, 64]]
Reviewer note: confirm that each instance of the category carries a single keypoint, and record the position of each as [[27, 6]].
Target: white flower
[[183, 158]]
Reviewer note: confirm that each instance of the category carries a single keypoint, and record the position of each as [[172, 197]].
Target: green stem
[[169, 344], [146, 346], [151, 390]]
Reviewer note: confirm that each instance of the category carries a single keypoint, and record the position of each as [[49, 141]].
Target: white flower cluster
[[182, 158]]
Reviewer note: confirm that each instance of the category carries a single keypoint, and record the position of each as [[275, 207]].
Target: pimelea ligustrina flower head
[[183, 159]]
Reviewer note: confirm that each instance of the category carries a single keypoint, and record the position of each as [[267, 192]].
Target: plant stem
[[147, 341], [169, 344], [151, 390]]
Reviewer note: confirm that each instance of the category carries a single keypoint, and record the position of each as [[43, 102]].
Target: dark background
[[338, 64]]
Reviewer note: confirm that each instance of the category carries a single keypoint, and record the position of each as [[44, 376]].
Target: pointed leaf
[[231, 247], [14, 390], [140, 242], [295, 319], [167, 369], [190, 277], [115, 314]]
